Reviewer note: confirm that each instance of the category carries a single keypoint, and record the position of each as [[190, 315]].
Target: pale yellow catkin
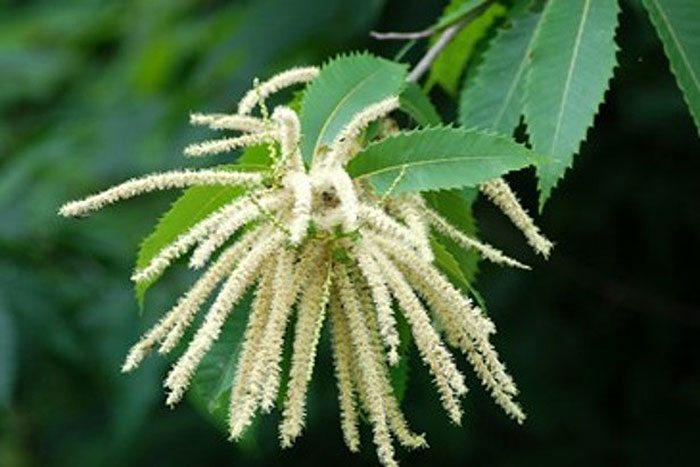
[[368, 369], [343, 362], [382, 303], [156, 182], [500, 194], [219, 121], [276, 83], [241, 410], [397, 423], [449, 381], [311, 312], [179, 377], [487, 251], [167, 329]]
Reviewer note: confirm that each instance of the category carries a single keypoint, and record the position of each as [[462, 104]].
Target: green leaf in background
[[345, 86], [493, 98], [456, 207], [455, 12], [572, 63], [417, 104], [8, 356], [438, 158], [678, 24], [399, 374], [194, 205], [448, 68]]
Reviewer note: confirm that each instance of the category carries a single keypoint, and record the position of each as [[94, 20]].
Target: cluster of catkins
[[313, 243]]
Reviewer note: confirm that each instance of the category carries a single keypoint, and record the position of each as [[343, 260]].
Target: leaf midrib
[[570, 72], [336, 109], [518, 74], [681, 50], [408, 165]]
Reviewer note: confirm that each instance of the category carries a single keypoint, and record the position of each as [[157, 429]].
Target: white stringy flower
[[315, 241]]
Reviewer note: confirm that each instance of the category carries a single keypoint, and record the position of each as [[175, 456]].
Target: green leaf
[[195, 204], [678, 24], [417, 104], [455, 12], [399, 374], [493, 98], [438, 158], [456, 207], [345, 86], [572, 62], [447, 69], [8, 356]]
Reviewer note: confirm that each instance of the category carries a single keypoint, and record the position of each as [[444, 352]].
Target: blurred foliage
[[602, 339]]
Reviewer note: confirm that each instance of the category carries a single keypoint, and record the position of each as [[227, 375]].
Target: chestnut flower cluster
[[315, 244]]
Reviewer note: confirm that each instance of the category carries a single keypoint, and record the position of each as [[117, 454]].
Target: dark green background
[[603, 338]]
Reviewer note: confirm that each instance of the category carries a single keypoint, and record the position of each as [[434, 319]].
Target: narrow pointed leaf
[[344, 87], [438, 158], [493, 98], [417, 104], [678, 24], [572, 62], [450, 64]]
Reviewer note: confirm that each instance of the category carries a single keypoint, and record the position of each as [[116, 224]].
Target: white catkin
[[242, 411], [290, 134], [217, 146], [382, 303], [343, 363], [345, 141], [463, 321], [377, 220], [409, 210], [300, 186], [371, 377], [311, 313], [187, 305], [220, 121], [487, 251], [156, 182], [274, 84], [198, 294], [500, 194], [179, 377], [185, 241], [449, 380], [247, 212], [398, 424]]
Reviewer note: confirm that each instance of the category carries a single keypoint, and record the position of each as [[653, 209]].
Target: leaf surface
[[417, 104], [572, 62], [448, 68], [678, 24], [345, 86], [438, 158], [8, 356], [493, 98]]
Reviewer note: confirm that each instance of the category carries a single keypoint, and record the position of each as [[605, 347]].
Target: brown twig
[[393, 36], [431, 55]]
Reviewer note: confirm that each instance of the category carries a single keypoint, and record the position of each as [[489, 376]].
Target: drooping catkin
[[311, 312], [371, 378], [500, 194], [343, 362]]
